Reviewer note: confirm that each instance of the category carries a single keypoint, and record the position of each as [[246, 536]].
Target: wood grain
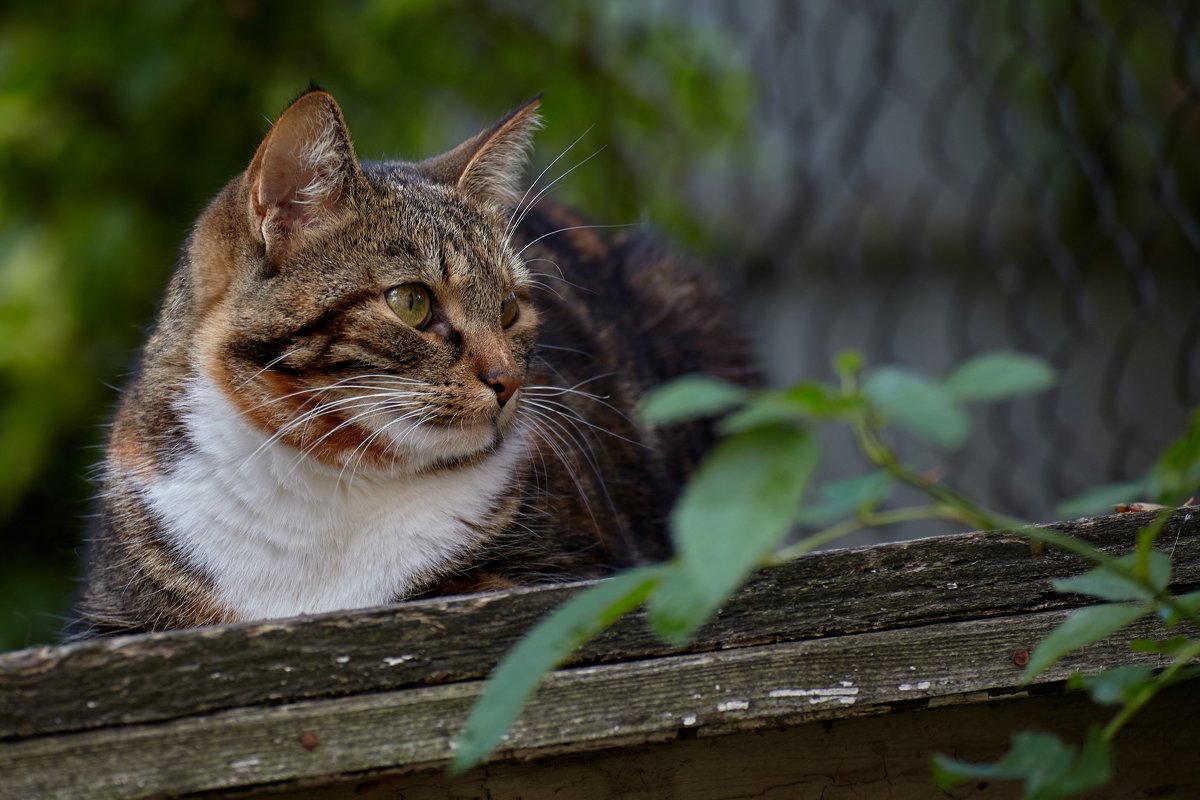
[[576, 710], [168, 675], [291, 705], [883, 756]]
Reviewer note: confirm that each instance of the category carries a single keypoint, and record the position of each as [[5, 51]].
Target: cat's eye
[[509, 310], [412, 303]]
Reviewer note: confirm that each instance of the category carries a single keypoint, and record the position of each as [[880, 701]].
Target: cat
[[374, 381]]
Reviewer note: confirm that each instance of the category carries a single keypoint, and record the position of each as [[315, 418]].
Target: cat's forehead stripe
[[449, 240]]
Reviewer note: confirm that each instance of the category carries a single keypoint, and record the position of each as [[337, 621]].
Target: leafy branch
[[1133, 586], [752, 490]]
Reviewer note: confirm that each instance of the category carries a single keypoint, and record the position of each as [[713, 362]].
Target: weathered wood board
[[862, 758], [333, 700]]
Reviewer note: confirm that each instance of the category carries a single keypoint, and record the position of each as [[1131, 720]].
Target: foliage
[[1136, 585], [579, 620], [743, 500], [753, 487], [118, 121], [1049, 767]]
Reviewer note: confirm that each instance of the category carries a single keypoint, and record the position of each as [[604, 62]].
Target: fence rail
[[343, 701]]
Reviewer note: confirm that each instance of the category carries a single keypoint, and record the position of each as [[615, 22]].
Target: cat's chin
[[427, 444]]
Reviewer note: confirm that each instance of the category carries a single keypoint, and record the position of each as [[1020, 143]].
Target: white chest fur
[[281, 535]]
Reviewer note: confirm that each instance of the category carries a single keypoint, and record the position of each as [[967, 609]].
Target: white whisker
[[562, 408], [574, 228], [512, 225], [550, 186], [270, 364]]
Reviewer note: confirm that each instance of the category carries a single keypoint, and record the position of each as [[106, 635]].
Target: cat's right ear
[[302, 175], [488, 166]]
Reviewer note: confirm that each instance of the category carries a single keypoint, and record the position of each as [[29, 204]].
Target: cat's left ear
[[489, 165], [302, 176]]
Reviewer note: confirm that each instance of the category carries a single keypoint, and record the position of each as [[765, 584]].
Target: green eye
[[411, 302], [509, 310]]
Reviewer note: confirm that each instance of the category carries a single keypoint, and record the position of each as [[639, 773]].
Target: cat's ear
[[301, 177], [489, 165]]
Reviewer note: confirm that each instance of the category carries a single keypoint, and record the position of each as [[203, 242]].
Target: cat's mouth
[[442, 438]]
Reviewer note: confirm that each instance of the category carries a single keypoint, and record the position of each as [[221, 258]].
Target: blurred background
[[921, 180]]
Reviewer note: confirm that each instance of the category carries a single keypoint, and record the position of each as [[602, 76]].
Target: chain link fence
[[934, 179]]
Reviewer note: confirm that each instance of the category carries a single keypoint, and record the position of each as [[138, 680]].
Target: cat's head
[[368, 314]]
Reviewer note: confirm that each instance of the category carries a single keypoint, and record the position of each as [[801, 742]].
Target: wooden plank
[[581, 709], [181, 673], [882, 756]]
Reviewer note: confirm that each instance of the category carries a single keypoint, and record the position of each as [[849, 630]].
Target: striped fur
[[289, 445]]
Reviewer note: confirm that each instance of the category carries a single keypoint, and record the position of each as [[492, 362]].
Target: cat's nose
[[502, 382]]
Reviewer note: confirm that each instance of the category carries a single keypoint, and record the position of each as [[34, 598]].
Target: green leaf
[[1190, 601], [690, 397], [679, 606], [999, 376], [1050, 768], [1113, 686], [848, 363], [1091, 769], [919, 405], [735, 511], [840, 499], [1166, 647], [542, 649], [1159, 570], [1030, 755], [1101, 499], [1177, 471], [1191, 606], [1083, 627], [802, 401], [769, 408], [1106, 584]]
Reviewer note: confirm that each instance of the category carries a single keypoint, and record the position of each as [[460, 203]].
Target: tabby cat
[[372, 381]]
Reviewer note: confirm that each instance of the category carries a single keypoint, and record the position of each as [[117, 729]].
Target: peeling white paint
[[690, 719], [951, 585], [846, 694], [908, 687], [832, 691], [244, 763], [342, 659], [846, 683], [394, 661], [733, 705]]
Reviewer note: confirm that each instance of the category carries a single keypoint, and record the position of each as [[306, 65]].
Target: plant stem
[[865, 519], [882, 456], [968, 511], [1132, 706]]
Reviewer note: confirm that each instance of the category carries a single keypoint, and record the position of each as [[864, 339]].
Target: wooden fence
[[836, 676]]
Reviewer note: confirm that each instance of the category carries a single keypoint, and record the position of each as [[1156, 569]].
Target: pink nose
[[504, 384]]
